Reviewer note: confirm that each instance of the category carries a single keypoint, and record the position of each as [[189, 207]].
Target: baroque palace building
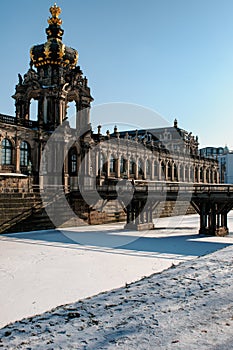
[[54, 80]]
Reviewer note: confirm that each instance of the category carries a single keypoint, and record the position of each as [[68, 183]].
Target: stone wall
[[113, 211], [13, 184]]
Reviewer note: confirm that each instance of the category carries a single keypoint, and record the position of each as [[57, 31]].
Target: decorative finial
[[55, 12]]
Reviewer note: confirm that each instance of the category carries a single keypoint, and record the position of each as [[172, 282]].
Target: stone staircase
[[108, 212], [169, 208], [21, 212], [17, 207], [102, 212]]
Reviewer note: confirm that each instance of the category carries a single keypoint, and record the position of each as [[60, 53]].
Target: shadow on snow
[[118, 239]]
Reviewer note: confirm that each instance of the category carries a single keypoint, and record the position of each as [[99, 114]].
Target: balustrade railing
[[7, 119], [163, 186]]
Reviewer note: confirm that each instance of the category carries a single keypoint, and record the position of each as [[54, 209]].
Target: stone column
[[127, 168], [66, 169], [144, 169], [166, 172], [184, 173], [17, 155], [198, 174], [108, 165], [136, 169], [212, 176], [97, 163], [204, 175], [180, 176], [203, 219], [61, 114], [159, 170], [118, 169], [152, 170]]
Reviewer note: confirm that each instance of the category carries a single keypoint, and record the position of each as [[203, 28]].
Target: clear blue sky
[[173, 56]]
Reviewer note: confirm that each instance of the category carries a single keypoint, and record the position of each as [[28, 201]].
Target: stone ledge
[[139, 227]]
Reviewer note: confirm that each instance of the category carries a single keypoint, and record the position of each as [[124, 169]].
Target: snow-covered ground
[[41, 270], [187, 307]]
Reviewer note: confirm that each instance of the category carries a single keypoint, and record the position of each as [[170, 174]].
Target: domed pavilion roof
[[54, 52]]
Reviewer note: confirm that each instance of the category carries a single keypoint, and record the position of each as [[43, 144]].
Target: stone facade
[[165, 154], [53, 81]]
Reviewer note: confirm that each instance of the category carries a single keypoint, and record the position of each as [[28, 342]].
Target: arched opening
[[33, 112], [6, 152], [169, 171], [123, 166], [208, 175], [196, 179], [132, 167], [71, 114], [175, 173], [215, 176], [112, 165], [201, 174], [103, 164], [163, 171], [140, 169], [25, 154]]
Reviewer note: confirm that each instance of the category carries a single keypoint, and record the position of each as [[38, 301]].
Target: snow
[[41, 270]]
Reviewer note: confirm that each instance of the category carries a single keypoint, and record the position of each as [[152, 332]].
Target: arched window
[[140, 168], [123, 165], [175, 173], [103, 164], [33, 112], [71, 113], [24, 153], [208, 175], [163, 171], [215, 176], [169, 171], [112, 165], [196, 172], [6, 152], [132, 167], [72, 162], [201, 175]]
